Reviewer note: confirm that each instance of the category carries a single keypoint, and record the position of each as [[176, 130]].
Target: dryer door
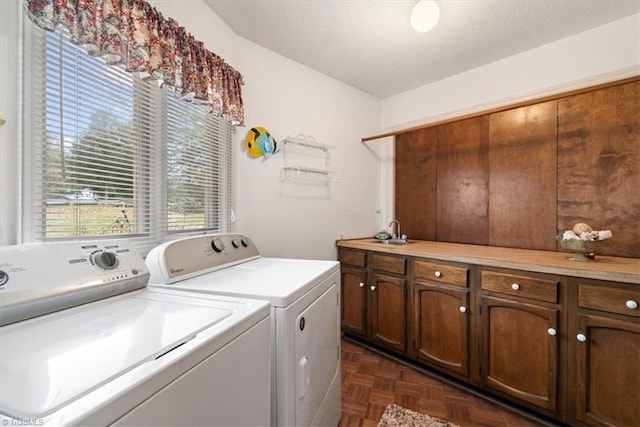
[[317, 354]]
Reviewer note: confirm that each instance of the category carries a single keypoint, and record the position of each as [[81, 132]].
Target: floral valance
[[136, 35]]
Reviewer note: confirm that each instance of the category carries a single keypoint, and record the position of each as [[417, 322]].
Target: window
[[110, 155]]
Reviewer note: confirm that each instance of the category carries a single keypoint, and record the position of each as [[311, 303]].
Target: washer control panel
[[192, 256], [46, 277]]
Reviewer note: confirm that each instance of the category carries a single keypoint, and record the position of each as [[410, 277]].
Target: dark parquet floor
[[371, 381]]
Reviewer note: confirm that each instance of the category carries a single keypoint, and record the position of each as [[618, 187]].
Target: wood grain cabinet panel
[[520, 357], [619, 299], [605, 343], [463, 181], [353, 302], [608, 371], [355, 258], [522, 177], [599, 165], [374, 303], [441, 273], [415, 183], [441, 327], [389, 264], [521, 286], [389, 311]]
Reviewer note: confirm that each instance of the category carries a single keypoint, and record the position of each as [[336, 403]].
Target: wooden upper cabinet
[[415, 183], [517, 177], [463, 181], [599, 165], [522, 177]]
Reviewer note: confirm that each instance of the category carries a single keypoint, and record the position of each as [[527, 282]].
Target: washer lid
[[281, 281], [50, 361]]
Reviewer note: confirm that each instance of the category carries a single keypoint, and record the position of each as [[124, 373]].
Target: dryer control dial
[[235, 242], [105, 260], [245, 241], [4, 278], [217, 245]]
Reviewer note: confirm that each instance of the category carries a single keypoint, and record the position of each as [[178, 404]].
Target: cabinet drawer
[[389, 264], [440, 273], [611, 298], [522, 286], [356, 258]]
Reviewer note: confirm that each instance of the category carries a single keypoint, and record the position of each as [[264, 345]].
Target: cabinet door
[[520, 355], [598, 158], [441, 327], [522, 177], [354, 300], [608, 371], [462, 179], [415, 183], [388, 311]]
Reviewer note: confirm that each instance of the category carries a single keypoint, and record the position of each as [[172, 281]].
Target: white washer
[[83, 341], [305, 308]]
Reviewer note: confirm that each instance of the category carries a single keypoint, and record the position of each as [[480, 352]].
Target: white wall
[[603, 54]]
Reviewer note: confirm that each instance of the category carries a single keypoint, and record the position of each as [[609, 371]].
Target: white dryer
[[305, 309], [83, 341]]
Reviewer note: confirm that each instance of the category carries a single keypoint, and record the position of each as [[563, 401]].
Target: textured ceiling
[[370, 44]]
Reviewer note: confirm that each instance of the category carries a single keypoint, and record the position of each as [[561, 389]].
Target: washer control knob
[[235, 242], [245, 241], [4, 278], [217, 245], [106, 260]]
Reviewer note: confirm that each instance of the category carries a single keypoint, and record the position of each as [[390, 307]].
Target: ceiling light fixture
[[425, 15]]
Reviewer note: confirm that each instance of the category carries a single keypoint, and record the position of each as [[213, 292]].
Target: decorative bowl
[[584, 250]]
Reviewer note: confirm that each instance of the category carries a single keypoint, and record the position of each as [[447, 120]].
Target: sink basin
[[392, 241]]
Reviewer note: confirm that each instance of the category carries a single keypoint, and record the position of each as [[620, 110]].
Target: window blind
[[109, 155]]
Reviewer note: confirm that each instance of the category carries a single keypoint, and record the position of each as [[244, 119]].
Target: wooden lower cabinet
[[608, 372], [440, 316], [564, 347], [441, 327], [607, 354], [520, 355], [521, 320], [354, 300], [389, 311], [374, 299]]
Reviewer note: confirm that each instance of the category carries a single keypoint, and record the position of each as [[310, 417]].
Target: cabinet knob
[[515, 286], [551, 332], [361, 285], [437, 274], [581, 337], [373, 288], [631, 304], [463, 309]]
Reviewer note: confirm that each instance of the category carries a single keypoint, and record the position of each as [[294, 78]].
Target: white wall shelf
[[296, 161], [303, 173], [307, 141]]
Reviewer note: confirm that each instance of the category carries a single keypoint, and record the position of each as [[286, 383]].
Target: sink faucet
[[395, 236]]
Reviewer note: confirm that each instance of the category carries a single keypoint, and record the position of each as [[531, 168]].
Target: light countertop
[[615, 269]]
